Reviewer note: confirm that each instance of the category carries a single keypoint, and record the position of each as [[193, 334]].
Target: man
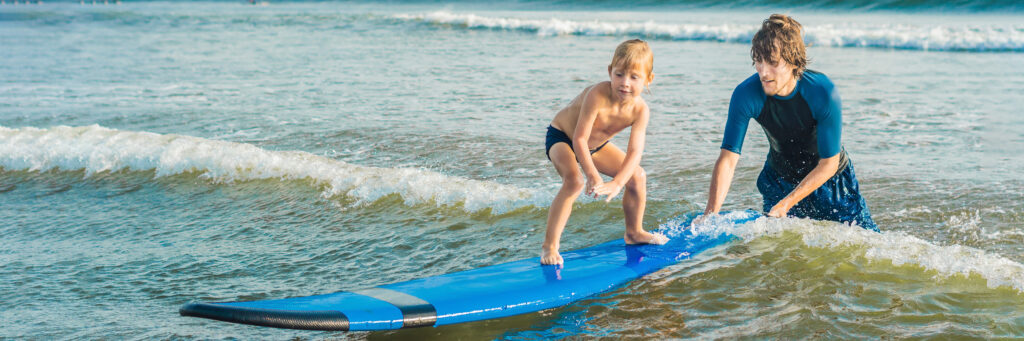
[[807, 173]]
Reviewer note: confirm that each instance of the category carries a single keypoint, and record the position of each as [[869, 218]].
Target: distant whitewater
[[974, 38], [97, 149], [849, 5]]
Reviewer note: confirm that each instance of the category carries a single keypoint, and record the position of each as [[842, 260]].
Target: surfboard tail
[[291, 319]]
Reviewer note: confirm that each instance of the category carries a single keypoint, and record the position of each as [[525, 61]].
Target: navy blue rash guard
[[802, 128]]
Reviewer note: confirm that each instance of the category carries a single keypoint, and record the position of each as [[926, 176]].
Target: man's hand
[[703, 218], [780, 209]]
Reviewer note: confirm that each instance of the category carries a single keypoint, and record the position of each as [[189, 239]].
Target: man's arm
[[746, 102], [825, 169], [829, 115], [721, 179]]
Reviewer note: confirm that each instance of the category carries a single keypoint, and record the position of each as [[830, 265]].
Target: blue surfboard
[[495, 291]]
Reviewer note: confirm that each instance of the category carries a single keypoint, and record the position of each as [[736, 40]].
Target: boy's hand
[[592, 183], [611, 189]]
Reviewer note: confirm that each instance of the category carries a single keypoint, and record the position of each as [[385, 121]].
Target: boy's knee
[[574, 182], [639, 179]]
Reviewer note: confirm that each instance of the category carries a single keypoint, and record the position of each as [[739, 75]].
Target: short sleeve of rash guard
[[746, 103], [826, 108]]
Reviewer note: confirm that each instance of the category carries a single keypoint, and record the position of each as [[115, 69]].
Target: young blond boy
[[591, 119]]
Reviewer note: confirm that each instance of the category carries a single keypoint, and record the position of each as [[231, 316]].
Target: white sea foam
[[896, 247], [975, 37], [98, 149]]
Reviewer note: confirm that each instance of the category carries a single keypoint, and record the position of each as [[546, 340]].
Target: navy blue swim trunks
[[556, 136], [838, 199]]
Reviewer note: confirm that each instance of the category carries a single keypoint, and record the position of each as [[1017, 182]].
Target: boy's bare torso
[[611, 118]]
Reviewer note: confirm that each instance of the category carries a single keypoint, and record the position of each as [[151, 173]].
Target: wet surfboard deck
[[490, 292]]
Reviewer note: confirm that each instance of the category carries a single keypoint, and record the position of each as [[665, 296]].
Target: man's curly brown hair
[[780, 36]]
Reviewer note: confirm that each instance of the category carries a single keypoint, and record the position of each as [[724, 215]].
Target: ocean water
[[157, 153]]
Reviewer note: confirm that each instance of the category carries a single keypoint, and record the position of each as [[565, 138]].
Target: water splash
[[896, 247]]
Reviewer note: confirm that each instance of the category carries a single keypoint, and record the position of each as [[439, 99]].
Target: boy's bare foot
[[645, 237], [550, 257]]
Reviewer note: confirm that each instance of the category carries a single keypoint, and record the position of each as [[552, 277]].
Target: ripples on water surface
[[153, 154]]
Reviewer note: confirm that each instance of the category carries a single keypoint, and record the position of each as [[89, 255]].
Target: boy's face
[[627, 83], [776, 77]]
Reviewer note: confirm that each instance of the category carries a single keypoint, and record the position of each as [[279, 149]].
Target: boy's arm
[[581, 137], [634, 150]]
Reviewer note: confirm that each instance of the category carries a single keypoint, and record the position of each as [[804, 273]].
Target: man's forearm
[[825, 169], [721, 179]]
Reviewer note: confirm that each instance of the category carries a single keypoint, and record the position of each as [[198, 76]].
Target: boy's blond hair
[[634, 54], [780, 36]]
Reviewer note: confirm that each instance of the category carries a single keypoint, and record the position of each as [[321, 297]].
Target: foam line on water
[[97, 149], [894, 246], [934, 37]]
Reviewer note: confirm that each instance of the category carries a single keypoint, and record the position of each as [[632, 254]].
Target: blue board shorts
[[556, 136], [838, 199]]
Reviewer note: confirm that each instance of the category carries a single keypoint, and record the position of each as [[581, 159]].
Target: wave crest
[[896, 247], [97, 149], [977, 38]]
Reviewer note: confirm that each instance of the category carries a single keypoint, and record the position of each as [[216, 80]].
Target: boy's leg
[[564, 161], [634, 197]]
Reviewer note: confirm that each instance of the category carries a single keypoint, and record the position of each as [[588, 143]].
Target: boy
[[591, 119]]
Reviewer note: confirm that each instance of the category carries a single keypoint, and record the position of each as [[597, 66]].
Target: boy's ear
[[650, 79], [609, 69]]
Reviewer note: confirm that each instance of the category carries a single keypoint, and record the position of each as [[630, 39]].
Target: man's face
[[776, 78]]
